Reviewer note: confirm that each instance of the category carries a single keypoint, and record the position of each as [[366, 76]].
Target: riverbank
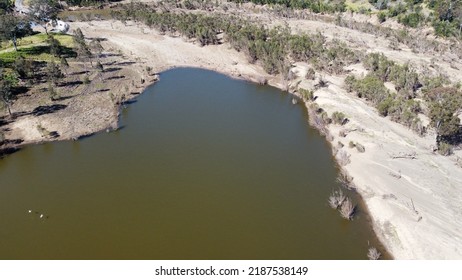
[[411, 193]]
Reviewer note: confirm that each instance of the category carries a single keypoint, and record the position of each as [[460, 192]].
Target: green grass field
[[35, 47]]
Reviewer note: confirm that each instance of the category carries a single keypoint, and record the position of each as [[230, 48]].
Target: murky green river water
[[204, 167]]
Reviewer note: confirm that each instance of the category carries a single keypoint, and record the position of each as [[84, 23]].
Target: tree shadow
[[125, 63], [70, 83], [38, 50], [115, 77], [79, 73], [453, 139], [4, 122], [43, 110], [61, 98], [7, 151], [19, 90], [112, 69], [7, 147], [128, 102]]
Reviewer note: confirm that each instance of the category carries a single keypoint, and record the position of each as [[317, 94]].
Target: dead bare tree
[[373, 254], [347, 210], [336, 199]]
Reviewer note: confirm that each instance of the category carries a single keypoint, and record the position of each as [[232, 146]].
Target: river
[[203, 167]]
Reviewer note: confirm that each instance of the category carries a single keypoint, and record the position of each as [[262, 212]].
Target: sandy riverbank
[[414, 203]]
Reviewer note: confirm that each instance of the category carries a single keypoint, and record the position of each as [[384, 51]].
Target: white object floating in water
[[30, 211], [41, 216], [294, 101]]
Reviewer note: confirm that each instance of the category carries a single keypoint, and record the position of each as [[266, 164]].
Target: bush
[[351, 145], [306, 94], [444, 28], [382, 17], [338, 117], [411, 20], [310, 74], [22, 66], [52, 93], [445, 149], [384, 106], [371, 88], [360, 148]]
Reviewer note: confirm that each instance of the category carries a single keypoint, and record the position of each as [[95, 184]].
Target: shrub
[[382, 17], [322, 82], [411, 20], [351, 145], [325, 118], [86, 80], [338, 117], [444, 149], [360, 148], [342, 133], [306, 94], [22, 66], [371, 88], [384, 106], [52, 93], [310, 74]]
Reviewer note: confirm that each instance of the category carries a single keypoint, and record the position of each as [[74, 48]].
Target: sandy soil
[[413, 195]]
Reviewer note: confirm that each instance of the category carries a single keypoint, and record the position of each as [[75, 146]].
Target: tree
[[55, 45], [8, 80], [13, 27], [64, 64], [444, 103], [5, 5], [99, 66], [53, 72], [22, 66], [96, 47], [42, 11], [82, 49], [79, 39]]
